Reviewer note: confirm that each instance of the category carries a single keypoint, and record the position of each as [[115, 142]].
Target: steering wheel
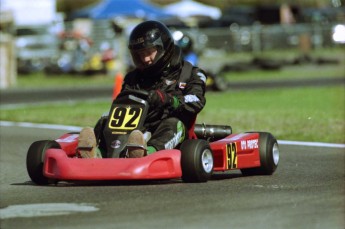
[[139, 93]]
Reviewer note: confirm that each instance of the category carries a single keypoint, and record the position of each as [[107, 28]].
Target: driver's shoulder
[[131, 77]]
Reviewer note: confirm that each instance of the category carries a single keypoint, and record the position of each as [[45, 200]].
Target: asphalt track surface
[[307, 191]]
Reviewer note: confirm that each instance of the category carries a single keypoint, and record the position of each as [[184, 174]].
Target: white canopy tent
[[189, 8]]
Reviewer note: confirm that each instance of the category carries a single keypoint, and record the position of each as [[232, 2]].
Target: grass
[[307, 71], [304, 114], [41, 80]]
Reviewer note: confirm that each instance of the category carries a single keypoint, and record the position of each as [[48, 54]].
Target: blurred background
[[87, 37]]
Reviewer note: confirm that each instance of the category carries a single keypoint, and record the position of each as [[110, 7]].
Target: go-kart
[[209, 148]]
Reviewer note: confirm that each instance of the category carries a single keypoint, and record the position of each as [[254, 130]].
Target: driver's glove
[[158, 98]]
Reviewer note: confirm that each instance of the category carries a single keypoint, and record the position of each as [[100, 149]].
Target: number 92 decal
[[231, 156], [125, 118]]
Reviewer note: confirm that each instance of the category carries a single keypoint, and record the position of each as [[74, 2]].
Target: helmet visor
[[143, 58]]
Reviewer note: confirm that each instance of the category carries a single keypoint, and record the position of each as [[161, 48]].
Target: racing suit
[[169, 124]]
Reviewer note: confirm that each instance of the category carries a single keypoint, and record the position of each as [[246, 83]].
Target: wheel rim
[[207, 160], [275, 152]]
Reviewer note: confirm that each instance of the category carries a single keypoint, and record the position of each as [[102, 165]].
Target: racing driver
[[176, 92]]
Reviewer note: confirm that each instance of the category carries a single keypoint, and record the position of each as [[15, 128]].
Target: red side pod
[[68, 143], [237, 151], [164, 164]]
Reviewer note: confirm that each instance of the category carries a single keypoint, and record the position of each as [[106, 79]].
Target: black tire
[[220, 83], [269, 156], [35, 160], [196, 161]]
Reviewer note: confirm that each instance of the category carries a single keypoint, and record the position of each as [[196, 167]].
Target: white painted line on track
[[77, 128], [316, 144], [46, 209], [42, 126]]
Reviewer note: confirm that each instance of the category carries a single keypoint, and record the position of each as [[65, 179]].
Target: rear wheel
[[196, 161], [218, 82], [269, 156], [35, 160]]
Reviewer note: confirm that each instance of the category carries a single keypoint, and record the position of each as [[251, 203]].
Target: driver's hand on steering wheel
[[159, 98]]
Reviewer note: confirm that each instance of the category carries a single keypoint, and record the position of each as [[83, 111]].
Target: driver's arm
[[192, 99]]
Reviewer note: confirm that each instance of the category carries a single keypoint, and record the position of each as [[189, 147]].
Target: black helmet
[[150, 34], [184, 41]]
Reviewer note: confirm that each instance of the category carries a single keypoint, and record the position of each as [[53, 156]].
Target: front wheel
[[196, 161], [269, 156], [35, 160]]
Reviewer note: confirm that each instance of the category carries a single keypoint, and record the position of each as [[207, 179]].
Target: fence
[[257, 38], [237, 38]]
